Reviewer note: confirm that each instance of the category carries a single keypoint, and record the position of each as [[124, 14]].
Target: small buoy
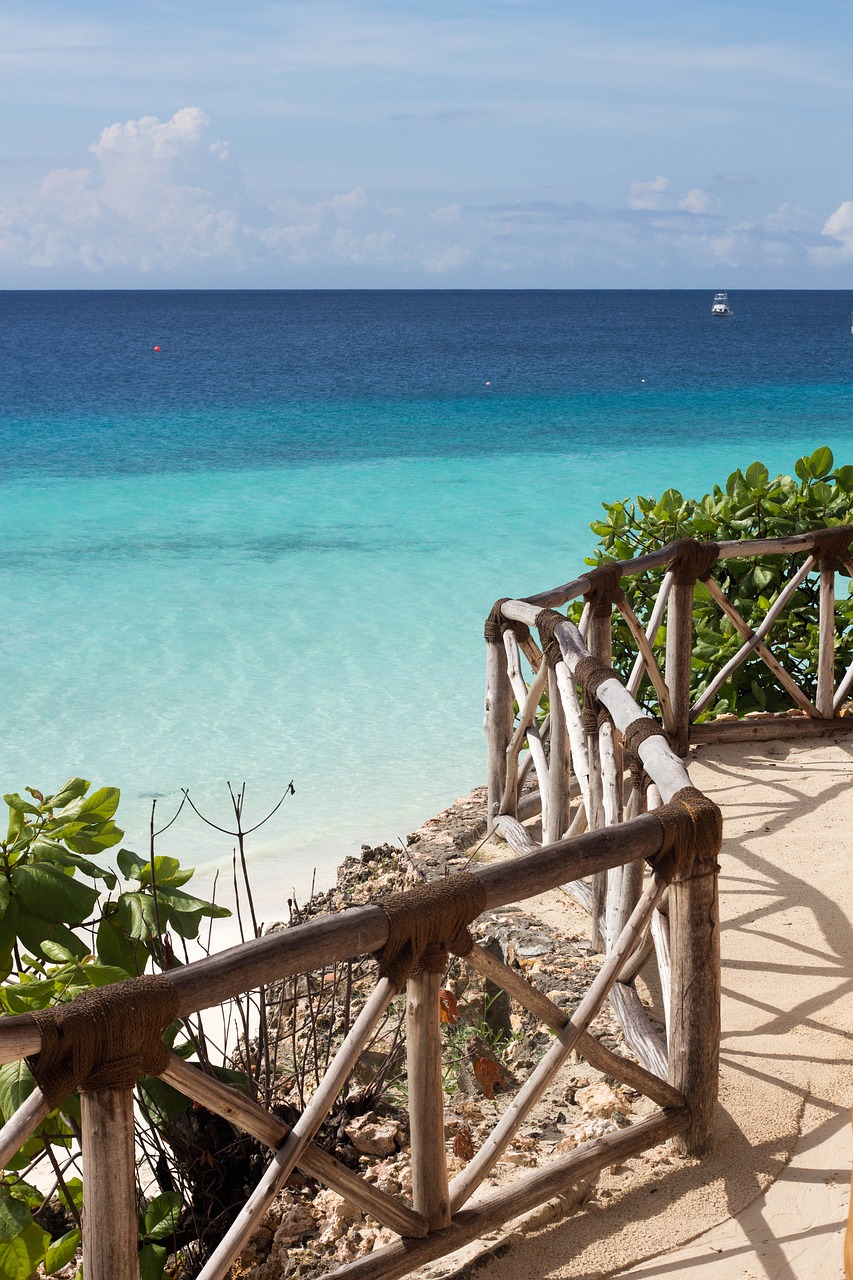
[[156, 348], [488, 384]]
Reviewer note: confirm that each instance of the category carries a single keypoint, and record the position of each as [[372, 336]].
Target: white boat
[[720, 305]]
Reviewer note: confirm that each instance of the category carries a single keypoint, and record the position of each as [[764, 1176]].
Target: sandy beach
[[771, 1203]]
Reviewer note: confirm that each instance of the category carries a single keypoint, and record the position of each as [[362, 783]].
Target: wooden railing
[[818, 553], [647, 863]]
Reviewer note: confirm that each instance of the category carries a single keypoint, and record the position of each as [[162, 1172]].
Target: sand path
[[771, 1203]]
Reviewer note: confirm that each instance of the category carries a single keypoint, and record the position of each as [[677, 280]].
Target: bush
[[58, 936], [751, 505]]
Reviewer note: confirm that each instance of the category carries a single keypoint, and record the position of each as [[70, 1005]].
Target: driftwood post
[[826, 637], [559, 768], [498, 716], [110, 1248], [694, 1032], [600, 644], [430, 1195], [679, 650]]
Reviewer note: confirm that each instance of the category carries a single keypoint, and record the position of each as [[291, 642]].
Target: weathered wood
[[638, 960], [754, 639], [360, 930], [735, 549], [552, 1016], [638, 1031], [659, 933], [694, 1038], [768, 658], [826, 639], [534, 742], [526, 717], [498, 721], [559, 766], [21, 1124], [574, 726], [630, 876], [517, 837], [519, 1107], [529, 806], [505, 1203], [646, 661], [679, 651], [595, 818], [301, 1135], [110, 1249], [241, 1111], [768, 728], [426, 1100]]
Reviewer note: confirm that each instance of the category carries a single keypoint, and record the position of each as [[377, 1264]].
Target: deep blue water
[[266, 550]]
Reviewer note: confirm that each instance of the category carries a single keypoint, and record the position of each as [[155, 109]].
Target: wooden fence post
[[498, 723], [826, 638], [430, 1195], [110, 1250], [559, 766], [599, 642], [694, 1028], [679, 651]]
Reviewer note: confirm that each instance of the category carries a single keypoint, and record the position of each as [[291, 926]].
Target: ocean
[[251, 537]]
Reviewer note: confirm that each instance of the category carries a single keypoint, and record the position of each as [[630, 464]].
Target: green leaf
[[14, 801], [15, 1260], [162, 1214], [95, 839], [16, 1085], [102, 803], [136, 912], [61, 1251], [14, 1217], [72, 790], [820, 463], [152, 1261], [47, 892], [757, 475], [49, 939], [115, 948], [163, 1101], [803, 468], [131, 866]]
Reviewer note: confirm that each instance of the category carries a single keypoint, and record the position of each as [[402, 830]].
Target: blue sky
[[504, 144]]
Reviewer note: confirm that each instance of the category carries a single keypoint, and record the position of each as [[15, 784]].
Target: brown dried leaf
[[463, 1145], [448, 1008], [487, 1074]]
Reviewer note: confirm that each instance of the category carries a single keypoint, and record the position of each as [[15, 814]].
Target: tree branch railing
[[665, 857]]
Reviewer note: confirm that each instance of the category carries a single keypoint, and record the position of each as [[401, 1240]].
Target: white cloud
[[162, 202], [838, 227], [648, 195], [696, 201]]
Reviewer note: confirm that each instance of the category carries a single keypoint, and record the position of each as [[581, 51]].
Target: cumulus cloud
[[163, 202], [648, 195], [696, 201], [838, 227]]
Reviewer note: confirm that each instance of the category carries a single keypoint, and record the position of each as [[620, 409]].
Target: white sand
[[771, 1203]]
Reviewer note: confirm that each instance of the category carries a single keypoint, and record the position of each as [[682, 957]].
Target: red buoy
[[156, 348]]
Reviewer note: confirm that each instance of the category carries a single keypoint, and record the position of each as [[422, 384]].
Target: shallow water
[[266, 551]]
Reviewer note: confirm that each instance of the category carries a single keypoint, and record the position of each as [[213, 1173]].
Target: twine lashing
[[589, 673], [547, 621], [428, 922], [831, 544], [692, 834], [635, 733], [496, 624], [105, 1038], [604, 589], [693, 560]]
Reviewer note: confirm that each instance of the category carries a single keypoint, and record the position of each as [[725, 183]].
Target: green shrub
[[58, 936], [751, 505]]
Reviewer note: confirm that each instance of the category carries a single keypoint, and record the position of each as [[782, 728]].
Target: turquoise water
[[278, 589]]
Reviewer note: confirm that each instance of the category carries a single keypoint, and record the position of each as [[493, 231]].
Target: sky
[[426, 144]]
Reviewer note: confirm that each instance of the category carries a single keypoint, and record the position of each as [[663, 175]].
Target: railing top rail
[[662, 558], [363, 930]]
